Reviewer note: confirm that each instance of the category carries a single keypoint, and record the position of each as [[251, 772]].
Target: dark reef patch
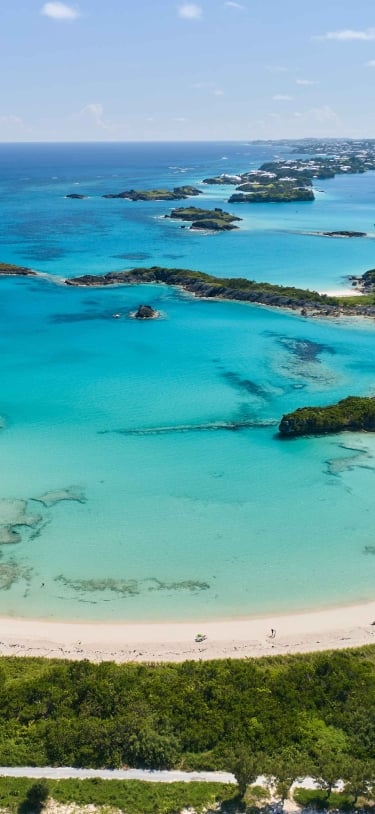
[[132, 256], [174, 256], [212, 426], [236, 381], [85, 316], [12, 572], [45, 253], [303, 349], [129, 587]]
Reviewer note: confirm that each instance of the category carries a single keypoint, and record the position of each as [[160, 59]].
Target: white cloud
[[94, 114], [190, 11], [13, 128], [306, 82], [282, 97], [232, 4], [347, 35], [218, 92], [370, 63], [10, 121], [277, 69], [322, 114], [60, 11]]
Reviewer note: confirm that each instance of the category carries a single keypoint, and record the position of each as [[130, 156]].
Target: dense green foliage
[[282, 192], [310, 798], [206, 285], [369, 278], [11, 269], [193, 715], [215, 219], [155, 194], [353, 413], [132, 796], [357, 302]]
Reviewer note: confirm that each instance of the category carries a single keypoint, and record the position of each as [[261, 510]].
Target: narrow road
[[64, 773]]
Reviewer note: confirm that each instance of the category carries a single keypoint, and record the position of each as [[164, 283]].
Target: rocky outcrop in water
[[146, 312], [344, 233], [76, 196], [10, 270]]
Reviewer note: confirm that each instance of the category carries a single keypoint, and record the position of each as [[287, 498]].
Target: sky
[[114, 70]]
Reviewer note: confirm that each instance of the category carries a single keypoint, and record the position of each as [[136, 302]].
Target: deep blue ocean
[[151, 507]]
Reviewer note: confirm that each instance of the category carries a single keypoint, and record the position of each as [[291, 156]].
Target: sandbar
[[330, 629]]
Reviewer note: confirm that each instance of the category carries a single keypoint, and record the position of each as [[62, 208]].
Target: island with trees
[[176, 194], [201, 285], [355, 413], [280, 192], [290, 180], [215, 220], [12, 270]]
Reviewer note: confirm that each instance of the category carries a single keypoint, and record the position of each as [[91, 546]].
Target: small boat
[[116, 316]]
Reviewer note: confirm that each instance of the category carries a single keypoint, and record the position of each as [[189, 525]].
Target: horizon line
[[192, 141]]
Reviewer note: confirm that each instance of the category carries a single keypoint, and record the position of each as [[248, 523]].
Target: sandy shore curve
[[330, 629]]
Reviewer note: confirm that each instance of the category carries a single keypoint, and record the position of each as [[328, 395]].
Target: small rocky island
[[344, 233], [11, 270], [365, 282], [76, 196], [215, 220], [176, 194], [354, 413], [145, 312]]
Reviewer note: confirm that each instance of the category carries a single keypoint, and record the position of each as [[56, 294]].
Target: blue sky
[[165, 70]]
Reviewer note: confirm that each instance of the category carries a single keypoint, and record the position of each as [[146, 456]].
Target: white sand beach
[[334, 628], [342, 292]]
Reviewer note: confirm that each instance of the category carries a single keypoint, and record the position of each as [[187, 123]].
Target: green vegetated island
[[310, 303], [176, 194], [273, 182], [215, 220], [290, 180], [355, 413], [286, 717]]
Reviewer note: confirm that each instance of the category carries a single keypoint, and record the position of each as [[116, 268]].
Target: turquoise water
[[166, 492]]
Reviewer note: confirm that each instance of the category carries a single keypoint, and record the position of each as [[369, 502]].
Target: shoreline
[[279, 298], [331, 629]]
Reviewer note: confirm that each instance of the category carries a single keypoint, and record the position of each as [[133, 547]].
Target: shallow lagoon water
[[148, 453]]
